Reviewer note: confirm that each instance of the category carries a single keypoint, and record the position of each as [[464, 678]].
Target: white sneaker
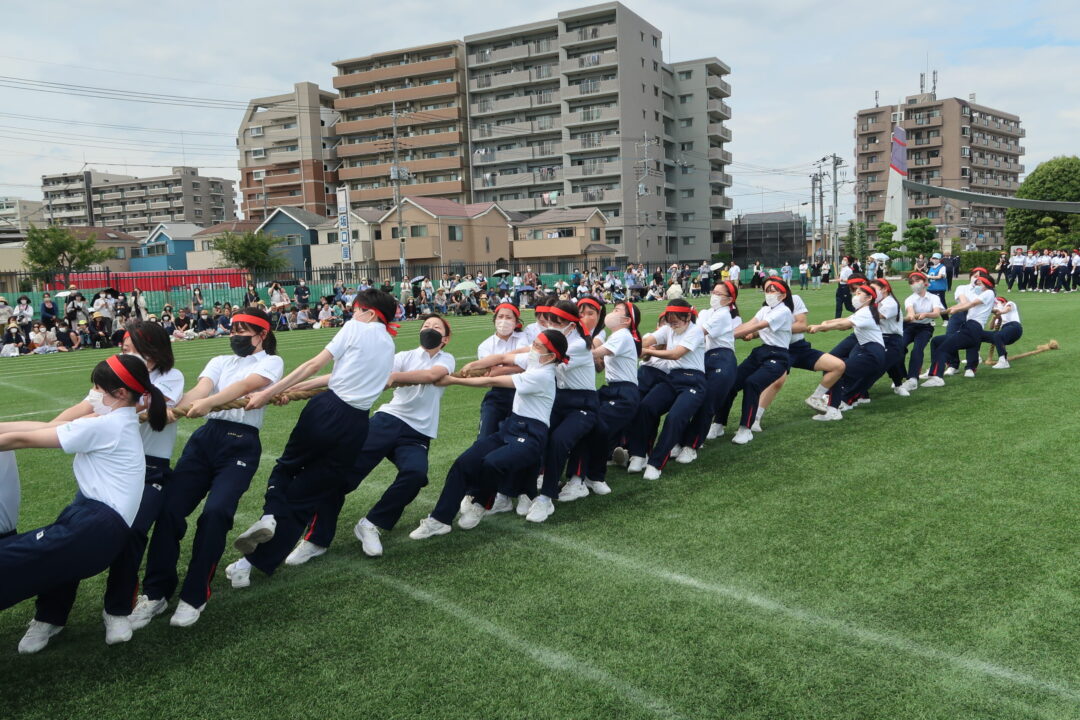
[[687, 456], [910, 384], [637, 464], [862, 401], [542, 508], [901, 390], [818, 402], [715, 430], [597, 487], [924, 375], [950, 371], [933, 381], [186, 615], [37, 637], [676, 449], [844, 407], [969, 373], [619, 457], [502, 504], [743, 435], [524, 504], [117, 628], [471, 516], [465, 503], [1002, 364], [651, 473], [756, 427], [240, 577], [573, 490], [830, 413], [260, 532], [145, 611], [429, 527], [303, 552], [368, 535]]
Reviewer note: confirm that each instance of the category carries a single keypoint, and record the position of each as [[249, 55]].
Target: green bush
[[980, 258]]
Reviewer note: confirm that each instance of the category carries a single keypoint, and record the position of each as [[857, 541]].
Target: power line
[[113, 126]]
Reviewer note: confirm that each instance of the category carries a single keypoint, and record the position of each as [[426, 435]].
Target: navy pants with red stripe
[[573, 416], [720, 369], [862, 367], [494, 408], [618, 406], [942, 348], [765, 365], [916, 336], [1009, 333], [681, 397], [217, 464]]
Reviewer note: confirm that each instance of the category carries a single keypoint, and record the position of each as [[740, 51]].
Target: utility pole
[[836, 163], [813, 216], [821, 209], [395, 177], [642, 149]]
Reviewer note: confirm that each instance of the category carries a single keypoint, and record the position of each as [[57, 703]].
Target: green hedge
[[981, 258]]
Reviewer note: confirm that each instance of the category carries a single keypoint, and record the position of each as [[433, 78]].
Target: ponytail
[[127, 372], [733, 293], [634, 314]]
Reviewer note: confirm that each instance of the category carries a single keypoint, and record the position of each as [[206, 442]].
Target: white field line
[[860, 634], [548, 657]]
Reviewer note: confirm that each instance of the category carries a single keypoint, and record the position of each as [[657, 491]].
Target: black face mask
[[430, 339], [241, 345]]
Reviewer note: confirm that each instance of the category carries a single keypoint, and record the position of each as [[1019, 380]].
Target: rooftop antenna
[[875, 98], [933, 86], [922, 83]]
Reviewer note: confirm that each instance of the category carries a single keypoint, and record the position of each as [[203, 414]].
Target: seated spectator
[[303, 319], [182, 329], [100, 331], [117, 338], [326, 316], [440, 301], [66, 339], [223, 322], [289, 319], [411, 311], [205, 326], [14, 343]]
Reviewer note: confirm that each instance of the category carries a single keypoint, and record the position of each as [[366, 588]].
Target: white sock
[[268, 517], [821, 390], [760, 412], [243, 564]]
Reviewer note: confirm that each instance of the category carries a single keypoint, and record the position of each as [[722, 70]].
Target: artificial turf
[[916, 560]]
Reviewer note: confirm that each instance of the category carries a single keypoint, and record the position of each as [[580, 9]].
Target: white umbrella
[[716, 266], [880, 256], [62, 294], [501, 272], [467, 286]]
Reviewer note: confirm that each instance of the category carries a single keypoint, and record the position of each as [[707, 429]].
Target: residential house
[[165, 248], [204, 256], [560, 238]]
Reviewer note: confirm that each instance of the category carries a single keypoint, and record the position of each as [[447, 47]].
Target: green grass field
[[917, 560]]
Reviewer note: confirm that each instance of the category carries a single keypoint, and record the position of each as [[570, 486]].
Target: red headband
[[391, 328], [1002, 300], [558, 312], [868, 290], [633, 324], [541, 309], [776, 284], [547, 343], [251, 320], [512, 308], [125, 376], [678, 309], [885, 283], [590, 301], [979, 269], [732, 290], [985, 281], [917, 275]]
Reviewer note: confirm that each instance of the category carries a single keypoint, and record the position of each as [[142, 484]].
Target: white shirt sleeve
[[212, 371], [691, 340], [271, 367], [171, 386], [83, 435], [345, 338]]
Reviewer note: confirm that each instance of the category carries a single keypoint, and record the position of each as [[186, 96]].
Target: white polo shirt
[[845, 273], [580, 372], [892, 323], [495, 345], [224, 370], [532, 330], [662, 336], [1016, 261], [9, 491], [418, 405], [800, 309], [109, 465], [693, 339], [621, 364], [363, 356], [981, 312], [923, 304], [718, 326], [778, 331], [535, 393], [866, 328], [1009, 312], [161, 444]]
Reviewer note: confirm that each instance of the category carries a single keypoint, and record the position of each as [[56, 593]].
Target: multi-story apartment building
[[20, 214], [137, 205], [424, 86], [952, 143], [288, 152], [582, 111]]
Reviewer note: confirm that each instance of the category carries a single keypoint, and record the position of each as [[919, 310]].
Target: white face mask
[[504, 326], [859, 301], [96, 398], [536, 359], [716, 302], [613, 322], [918, 287], [773, 299]]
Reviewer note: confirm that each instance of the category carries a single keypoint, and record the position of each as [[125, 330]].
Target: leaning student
[[920, 309], [718, 323], [88, 535], [217, 465], [508, 337], [1008, 330], [976, 309]]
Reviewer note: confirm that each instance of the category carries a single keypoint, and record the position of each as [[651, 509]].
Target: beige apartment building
[[951, 143], [582, 110], [288, 152], [425, 85], [137, 205], [20, 214]]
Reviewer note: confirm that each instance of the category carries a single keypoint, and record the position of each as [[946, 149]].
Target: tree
[[855, 241], [920, 237], [55, 249], [1056, 179], [885, 243], [251, 251]]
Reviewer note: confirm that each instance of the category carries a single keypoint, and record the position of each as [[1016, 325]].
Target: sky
[[800, 71]]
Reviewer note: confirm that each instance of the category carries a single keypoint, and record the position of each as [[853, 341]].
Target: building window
[[258, 174], [455, 233], [258, 153], [688, 217], [686, 122], [683, 99], [685, 74], [686, 146], [594, 235], [119, 253], [196, 186], [655, 41], [688, 240], [686, 170], [686, 193], [655, 66], [256, 131]]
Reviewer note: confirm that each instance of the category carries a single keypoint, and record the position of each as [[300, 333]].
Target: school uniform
[[50, 561], [1015, 272], [843, 292], [968, 336], [864, 363], [955, 322], [1059, 269], [519, 444], [1010, 331], [157, 447], [1042, 267], [9, 494], [573, 413], [1029, 273], [217, 464], [401, 431], [892, 332], [766, 363], [917, 333], [495, 407], [327, 439], [720, 368]]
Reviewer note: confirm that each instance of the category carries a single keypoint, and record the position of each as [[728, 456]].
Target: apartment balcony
[[924, 162], [416, 166], [718, 130], [591, 197], [721, 178], [276, 181], [522, 204], [879, 166], [504, 180], [113, 223], [160, 218], [593, 142], [977, 221], [518, 102], [151, 191], [401, 95], [873, 147], [131, 207], [499, 81], [523, 153], [159, 205], [536, 48], [112, 196], [719, 155], [588, 34], [354, 127], [590, 61], [720, 225], [492, 131], [409, 142], [720, 107], [67, 213], [68, 199], [925, 142], [712, 82], [416, 248], [930, 201], [1008, 130], [594, 169], [584, 116], [394, 72], [110, 209], [720, 201], [61, 187], [872, 187], [592, 88], [138, 220], [922, 122], [177, 203], [135, 194]]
